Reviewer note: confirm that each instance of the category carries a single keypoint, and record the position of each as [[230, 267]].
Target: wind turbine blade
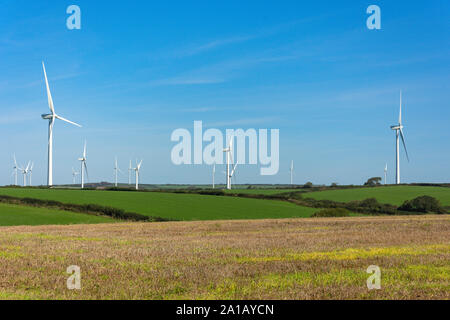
[[15, 162], [68, 121], [49, 94], [234, 170], [84, 150], [404, 144], [86, 170]]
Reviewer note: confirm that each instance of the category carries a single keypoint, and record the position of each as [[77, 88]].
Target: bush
[[423, 204], [332, 212]]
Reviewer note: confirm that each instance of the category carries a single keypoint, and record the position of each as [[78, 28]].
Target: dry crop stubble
[[272, 259]]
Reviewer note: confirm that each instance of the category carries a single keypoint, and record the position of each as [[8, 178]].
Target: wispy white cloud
[[243, 122]]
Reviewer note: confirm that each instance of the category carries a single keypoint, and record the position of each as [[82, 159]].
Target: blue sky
[[137, 70]]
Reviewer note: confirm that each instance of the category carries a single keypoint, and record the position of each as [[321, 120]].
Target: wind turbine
[[385, 174], [25, 173], [399, 134], [51, 121], [292, 173], [74, 175], [116, 171], [83, 166], [130, 168], [30, 171], [137, 170], [229, 154], [214, 176], [15, 168]]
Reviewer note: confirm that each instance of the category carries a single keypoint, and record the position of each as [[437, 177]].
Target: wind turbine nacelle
[[397, 127], [47, 116]]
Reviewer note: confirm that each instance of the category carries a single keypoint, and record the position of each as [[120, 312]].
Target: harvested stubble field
[[259, 259]]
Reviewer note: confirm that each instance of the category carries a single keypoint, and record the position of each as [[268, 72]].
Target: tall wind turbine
[[83, 166], [292, 173], [137, 170], [399, 134], [30, 172], [116, 172], [15, 168], [51, 121], [74, 175], [385, 174]]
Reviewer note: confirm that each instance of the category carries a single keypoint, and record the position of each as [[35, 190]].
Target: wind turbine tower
[[398, 128], [385, 174], [51, 122]]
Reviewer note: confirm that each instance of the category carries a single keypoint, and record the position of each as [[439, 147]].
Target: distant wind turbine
[[84, 169], [230, 171], [15, 168], [74, 175], [137, 171], [214, 176], [51, 121], [130, 169], [30, 172], [385, 174], [116, 172], [25, 173], [398, 128], [292, 173]]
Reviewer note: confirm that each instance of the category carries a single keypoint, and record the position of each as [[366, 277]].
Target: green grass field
[[260, 191], [13, 215], [184, 207], [392, 194]]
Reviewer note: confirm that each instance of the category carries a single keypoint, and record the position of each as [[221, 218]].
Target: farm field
[[14, 215], [251, 259], [392, 194], [183, 207], [261, 191]]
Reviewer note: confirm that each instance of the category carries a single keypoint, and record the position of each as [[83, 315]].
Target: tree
[[375, 181], [308, 185]]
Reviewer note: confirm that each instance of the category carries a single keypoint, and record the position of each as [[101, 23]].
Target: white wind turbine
[[399, 134], [214, 176], [137, 170], [15, 168], [230, 172], [30, 172], [25, 173], [292, 173], [83, 166], [74, 175], [116, 172], [51, 121], [130, 169], [385, 174]]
